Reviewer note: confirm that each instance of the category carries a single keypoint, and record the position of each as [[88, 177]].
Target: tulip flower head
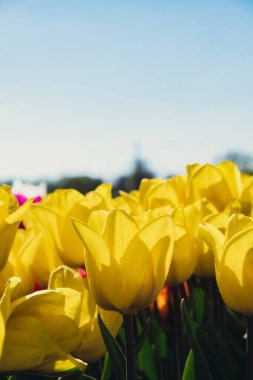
[[69, 204], [156, 193], [219, 184], [233, 261], [36, 335], [84, 311], [126, 265], [43, 256], [10, 217], [18, 264]]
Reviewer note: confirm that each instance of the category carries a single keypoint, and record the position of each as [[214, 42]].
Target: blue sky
[[84, 85]]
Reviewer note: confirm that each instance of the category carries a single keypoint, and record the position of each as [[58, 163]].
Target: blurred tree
[[131, 181], [83, 184], [244, 161]]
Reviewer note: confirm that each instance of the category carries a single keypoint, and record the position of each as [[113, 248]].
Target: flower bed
[[152, 284]]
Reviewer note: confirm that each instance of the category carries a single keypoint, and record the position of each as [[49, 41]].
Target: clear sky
[[85, 84]]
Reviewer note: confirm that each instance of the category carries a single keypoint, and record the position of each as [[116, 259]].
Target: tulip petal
[[132, 201], [119, 230], [233, 177], [237, 223], [105, 190], [62, 200], [145, 188], [236, 270], [161, 228], [5, 306], [236, 251], [183, 259], [163, 194], [49, 306], [11, 289], [85, 306], [8, 229], [214, 239], [65, 277], [62, 366], [138, 275], [207, 181], [93, 346], [45, 302], [219, 220], [95, 245], [42, 215], [151, 251], [97, 220], [101, 266], [25, 344]]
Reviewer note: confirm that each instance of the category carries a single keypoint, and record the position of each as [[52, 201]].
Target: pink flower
[[22, 199], [82, 272]]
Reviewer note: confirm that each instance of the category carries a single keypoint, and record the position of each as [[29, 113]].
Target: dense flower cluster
[[79, 255]]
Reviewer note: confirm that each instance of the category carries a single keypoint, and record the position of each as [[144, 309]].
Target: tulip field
[[154, 284]]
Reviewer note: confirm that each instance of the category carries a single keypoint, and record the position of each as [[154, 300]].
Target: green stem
[[209, 285], [206, 285], [250, 349], [183, 293], [218, 307], [131, 360], [177, 329]]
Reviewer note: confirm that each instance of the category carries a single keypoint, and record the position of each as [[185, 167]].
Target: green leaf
[[107, 369], [117, 357], [121, 336], [206, 352], [141, 338], [191, 330], [220, 347], [198, 304], [146, 361], [189, 369], [159, 338]]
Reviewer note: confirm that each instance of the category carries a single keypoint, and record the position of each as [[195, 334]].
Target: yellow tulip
[[247, 194], [233, 261], [170, 192], [205, 266], [62, 200], [185, 221], [18, 264], [126, 265], [184, 257], [10, 217], [133, 201], [70, 203], [156, 193], [43, 255], [185, 254], [36, 335], [219, 184], [91, 346], [186, 251]]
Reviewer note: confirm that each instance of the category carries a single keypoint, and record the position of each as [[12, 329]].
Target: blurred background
[[94, 91]]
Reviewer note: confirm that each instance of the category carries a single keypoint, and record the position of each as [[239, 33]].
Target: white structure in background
[[29, 190]]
